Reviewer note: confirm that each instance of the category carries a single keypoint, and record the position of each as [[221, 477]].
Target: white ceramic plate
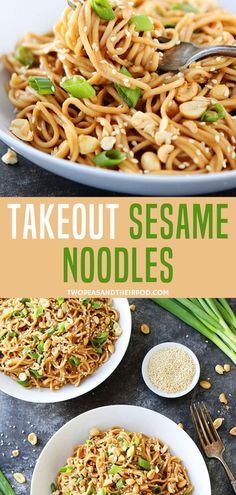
[[67, 392], [133, 418], [40, 17], [150, 384]]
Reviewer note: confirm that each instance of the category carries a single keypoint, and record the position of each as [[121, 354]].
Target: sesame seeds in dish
[[171, 369], [90, 90], [48, 343]]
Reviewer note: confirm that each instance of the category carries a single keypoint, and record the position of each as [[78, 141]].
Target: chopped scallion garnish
[[109, 158], [66, 469], [61, 327], [43, 85], [185, 7], [129, 95], [78, 87], [74, 360], [38, 311], [144, 463], [103, 9], [214, 113], [142, 23], [115, 469], [60, 301], [24, 55], [120, 484]]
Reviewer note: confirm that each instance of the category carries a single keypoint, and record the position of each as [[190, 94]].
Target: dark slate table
[[27, 179], [126, 386]]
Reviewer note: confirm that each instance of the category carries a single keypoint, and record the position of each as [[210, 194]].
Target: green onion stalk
[[213, 318]]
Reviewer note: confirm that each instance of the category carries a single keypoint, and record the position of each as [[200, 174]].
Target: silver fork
[[210, 439], [182, 55]]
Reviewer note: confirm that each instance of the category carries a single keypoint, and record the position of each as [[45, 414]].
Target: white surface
[[40, 17], [167, 345], [67, 392], [132, 418]]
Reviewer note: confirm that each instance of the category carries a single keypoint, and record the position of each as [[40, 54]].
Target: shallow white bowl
[[149, 383], [10, 387], [132, 418], [40, 17]]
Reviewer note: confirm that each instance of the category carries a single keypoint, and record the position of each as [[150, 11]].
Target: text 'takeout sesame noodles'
[[91, 92], [48, 343], [122, 462]]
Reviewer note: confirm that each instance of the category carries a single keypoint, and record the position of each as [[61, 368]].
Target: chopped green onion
[[43, 85], [24, 56], [40, 346], [11, 334], [109, 158], [24, 312], [136, 441], [142, 23], [129, 95], [185, 7], [143, 463], [96, 305], [61, 327], [38, 311], [74, 360], [120, 484], [53, 487], [78, 87], [130, 451], [66, 469], [23, 383], [103, 9], [25, 299], [89, 442], [214, 113], [123, 444], [157, 490], [102, 338], [102, 491], [85, 302], [169, 26], [35, 374], [60, 301], [115, 469], [5, 486]]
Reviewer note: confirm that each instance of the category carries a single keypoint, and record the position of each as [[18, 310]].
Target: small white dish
[[45, 395], [39, 17], [132, 418], [151, 385]]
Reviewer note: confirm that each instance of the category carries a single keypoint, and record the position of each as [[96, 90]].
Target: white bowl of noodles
[[134, 419], [13, 385], [40, 18]]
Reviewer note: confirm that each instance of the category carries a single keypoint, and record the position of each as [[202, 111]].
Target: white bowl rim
[[68, 392], [106, 409], [152, 387], [63, 164]]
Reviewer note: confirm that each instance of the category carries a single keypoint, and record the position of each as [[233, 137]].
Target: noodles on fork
[[106, 104]]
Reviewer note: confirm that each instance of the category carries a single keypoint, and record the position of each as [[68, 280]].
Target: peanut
[[193, 109], [205, 384], [150, 161]]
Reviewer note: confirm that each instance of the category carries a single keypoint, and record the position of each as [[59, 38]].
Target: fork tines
[[204, 425]]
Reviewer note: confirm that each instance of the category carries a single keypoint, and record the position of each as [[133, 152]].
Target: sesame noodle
[[48, 343], [161, 135]]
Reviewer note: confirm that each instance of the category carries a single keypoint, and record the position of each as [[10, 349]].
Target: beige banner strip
[[122, 247]]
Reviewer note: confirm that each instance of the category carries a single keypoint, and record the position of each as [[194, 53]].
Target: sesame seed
[[217, 138], [85, 29]]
